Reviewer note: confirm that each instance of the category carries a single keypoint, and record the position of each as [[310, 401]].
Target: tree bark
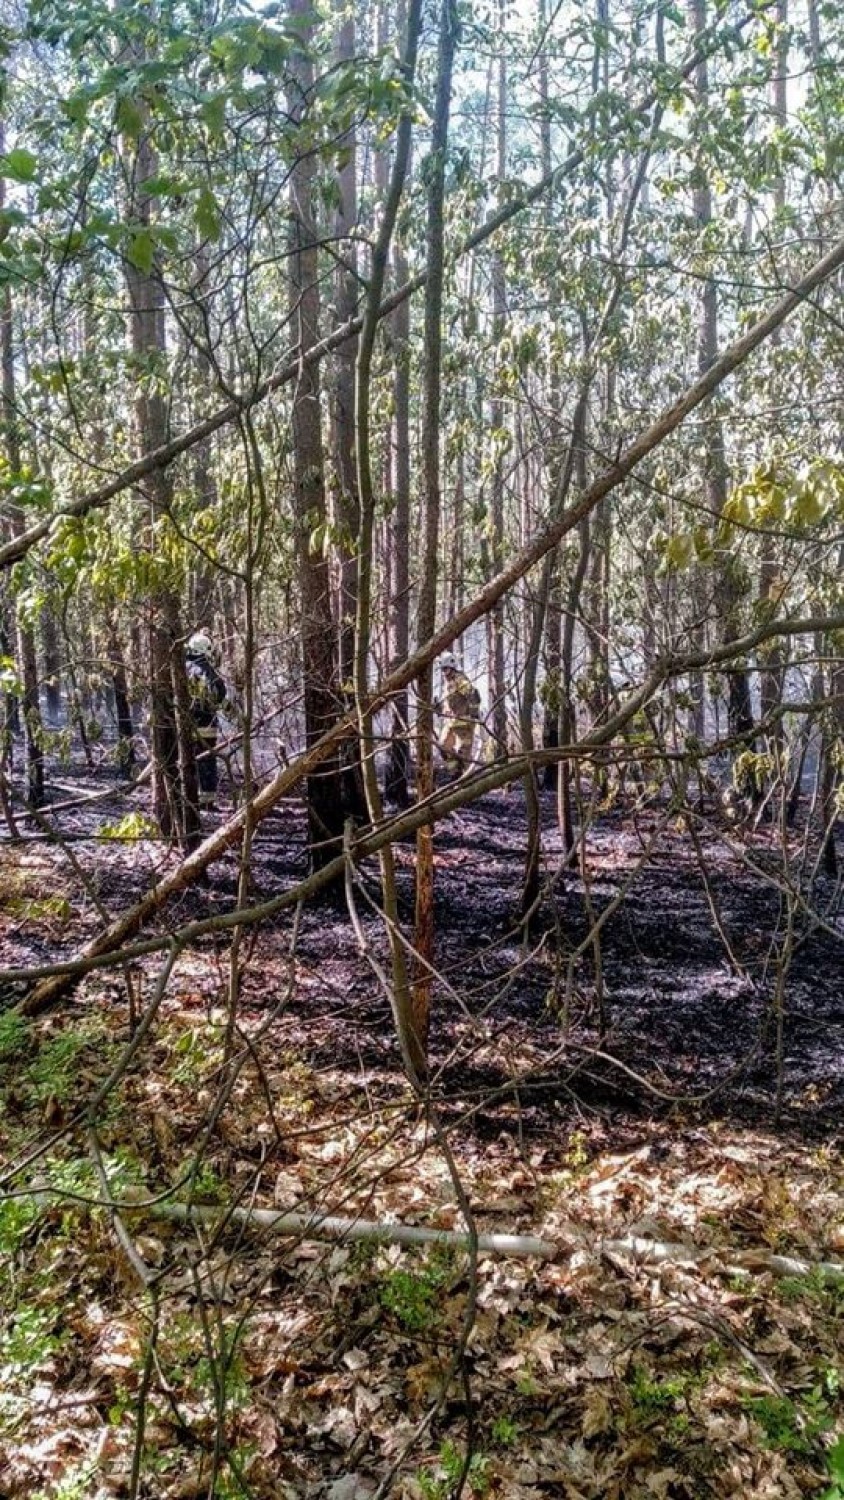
[[25, 635], [174, 792], [321, 686], [398, 765], [772, 667], [427, 599], [497, 672], [411, 1043], [728, 590], [345, 498]]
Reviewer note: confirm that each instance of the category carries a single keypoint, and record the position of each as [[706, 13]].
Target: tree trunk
[[345, 496], [552, 727], [398, 770], [399, 761], [201, 595], [772, 665], [427, 602], [26, 648], [498, 676], [411, 1041], [319, 659], [122, 703], [727, 586], [175, 798], [52, 665]]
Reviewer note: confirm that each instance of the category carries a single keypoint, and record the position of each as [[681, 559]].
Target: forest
[[421, 749]]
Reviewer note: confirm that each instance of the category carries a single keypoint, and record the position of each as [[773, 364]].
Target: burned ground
[[602, 1374], [686, 962]]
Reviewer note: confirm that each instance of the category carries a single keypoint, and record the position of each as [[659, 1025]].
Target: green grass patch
[[411, 1295]]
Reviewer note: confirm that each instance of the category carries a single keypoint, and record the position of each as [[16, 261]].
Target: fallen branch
[[735, 1262], [110, 947], [643, 1251], [328, 1227]]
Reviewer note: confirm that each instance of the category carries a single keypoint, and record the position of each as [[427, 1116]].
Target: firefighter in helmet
[[460, 709], [207, 695]]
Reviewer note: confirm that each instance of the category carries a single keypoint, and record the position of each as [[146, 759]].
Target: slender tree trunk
[[116, 656], [399, 768], [205, 483], [411, 1039], [322, 697], [345, 500], [427, 601], [11, 704], [175, 798], [345, 496], [728, 589], [456, 584], [52, 664], [832, 747], [497, 413], [568, 705], [596, 581], [772, 664], [26, 647], [552, 727], [122, 702]]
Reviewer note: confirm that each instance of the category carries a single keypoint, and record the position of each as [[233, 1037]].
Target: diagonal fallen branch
[[110, 947], [290, 776]]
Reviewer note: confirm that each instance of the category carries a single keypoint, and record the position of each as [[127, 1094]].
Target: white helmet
[[448, 664], [201, 644]]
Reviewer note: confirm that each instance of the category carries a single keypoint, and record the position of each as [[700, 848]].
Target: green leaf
[[11, 218], [702, 542], [9, 680], [141, 251], [738, 507], [129, 117], [179, 49], [835, 1460], [134, 826], [208, 215], [19, 164], [166, 186], [76, 108], [213, 111]]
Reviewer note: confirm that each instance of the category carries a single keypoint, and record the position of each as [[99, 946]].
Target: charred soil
[[650, 1076]]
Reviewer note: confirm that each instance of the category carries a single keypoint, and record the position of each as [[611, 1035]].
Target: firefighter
[[460, 712], [207, 695]]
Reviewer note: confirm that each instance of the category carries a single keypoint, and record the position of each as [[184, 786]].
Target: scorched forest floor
[[685, 1159]]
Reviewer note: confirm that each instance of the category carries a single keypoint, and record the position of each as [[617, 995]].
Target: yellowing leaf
[[679, 551]]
